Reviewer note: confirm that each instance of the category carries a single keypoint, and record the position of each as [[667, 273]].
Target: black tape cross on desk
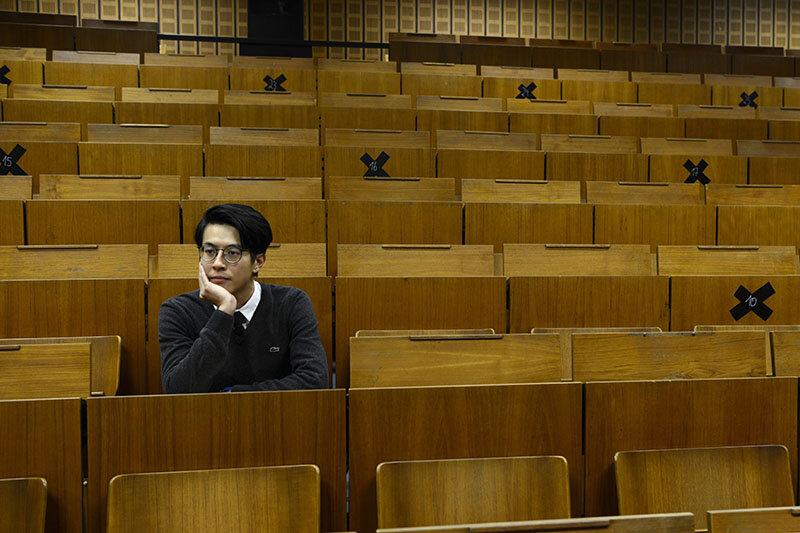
[[752, 302], [375, 166], [3, 71], [748, 99], [9, 163], [696, 172], [526, 92], [274, 84]]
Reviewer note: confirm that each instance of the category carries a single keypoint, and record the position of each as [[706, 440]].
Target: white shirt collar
[[249, 308]]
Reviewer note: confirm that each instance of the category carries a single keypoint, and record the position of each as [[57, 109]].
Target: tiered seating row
[[663, 57], [127, 435]]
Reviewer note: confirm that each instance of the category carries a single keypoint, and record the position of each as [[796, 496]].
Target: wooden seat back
[[727, 260], [268, 499], [24, 502], [407, 490], [703, 479], [38, 371]]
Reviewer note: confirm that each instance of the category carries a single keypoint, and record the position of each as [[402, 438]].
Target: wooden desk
[[409, 260], [104, 261], [681, 413], [391, 189], [577, 260], [500, 223], [711, 299], [35, 110], [727, 260], [80, 308], [604, 192], [411, 361], [43, 439], [629, 301], [684, 355], [655, 224], [254, 188], [379, 432], [726, 194], [61, 71], [181, 77], [515, 191], [122, 437], [255, 79]]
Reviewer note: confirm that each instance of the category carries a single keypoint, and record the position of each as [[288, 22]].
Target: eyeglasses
[[231, 254]]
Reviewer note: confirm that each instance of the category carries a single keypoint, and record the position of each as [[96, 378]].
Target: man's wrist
[[228, 306]]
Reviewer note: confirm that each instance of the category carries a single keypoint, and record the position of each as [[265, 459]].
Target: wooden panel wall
[[733, 22]]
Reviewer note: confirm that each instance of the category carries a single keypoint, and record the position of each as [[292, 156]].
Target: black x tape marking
[[526, 91], [375, 166], [9, 162], [752, 302], [748, 99], [696, 172], [274, 85], [3, 71]]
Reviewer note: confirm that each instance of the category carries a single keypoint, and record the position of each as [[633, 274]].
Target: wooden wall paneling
[[318, 26], [42, 438], [187, 24], [672, 21], [510, 18], [168, 23], [127, 435], [414, 303], [443, 16], [407, 16], [720, 22], [527, 16], [337, 21], [657, 21], [577, 20], [129, 10], [241, 20], [499, 223], [626, 21], [79, 308], [766, 30], [571, 302], [148, 10], [372, 28], [354, 28], [705, 22], [681, 414], [544, 19], [794, 24], [425, 16], [542, 419], [641, 21], [12, 218], [689, 22], [750, 22], [207, 25], [319, 290], [226, 14], [109, 10], [735, 26], [494, 25]]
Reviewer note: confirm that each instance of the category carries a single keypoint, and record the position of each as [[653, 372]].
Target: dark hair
[[253, 228]]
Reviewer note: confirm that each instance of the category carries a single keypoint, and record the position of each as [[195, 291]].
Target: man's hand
[[217, 295]]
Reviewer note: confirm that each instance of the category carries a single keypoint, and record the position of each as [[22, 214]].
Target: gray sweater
[[279, 350]]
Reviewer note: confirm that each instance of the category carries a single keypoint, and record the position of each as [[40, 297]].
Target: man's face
[[235, 278]]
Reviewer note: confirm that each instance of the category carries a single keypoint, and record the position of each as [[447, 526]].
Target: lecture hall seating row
[[663, 57], [450, 287], [130, 434]]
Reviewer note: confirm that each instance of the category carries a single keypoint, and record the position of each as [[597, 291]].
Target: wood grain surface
[[459, 422], [642, 415], [204, 431]]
